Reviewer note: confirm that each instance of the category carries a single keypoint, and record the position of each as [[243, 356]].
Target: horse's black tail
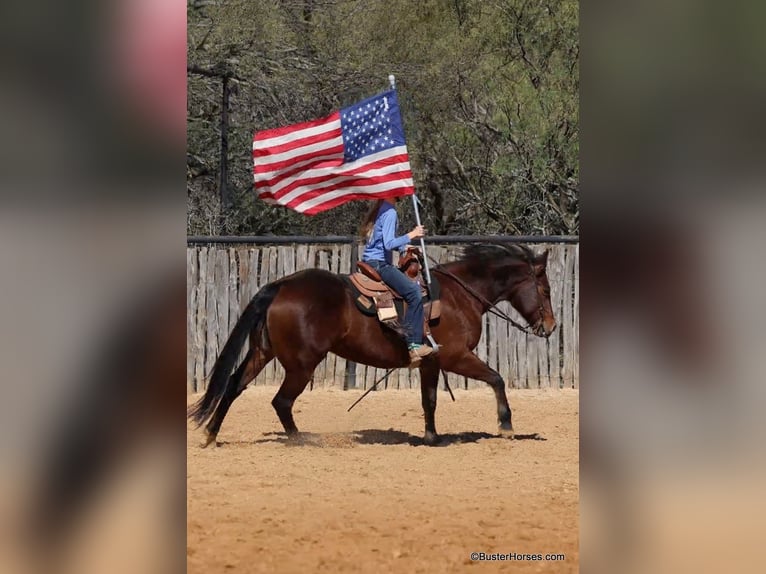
[[253, 318]]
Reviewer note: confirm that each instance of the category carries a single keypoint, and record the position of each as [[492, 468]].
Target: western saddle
[[375, 297]]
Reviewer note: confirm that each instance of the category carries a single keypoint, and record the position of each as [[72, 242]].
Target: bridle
[[492, 307]]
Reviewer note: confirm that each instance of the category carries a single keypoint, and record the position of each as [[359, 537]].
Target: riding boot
[[417, 352]]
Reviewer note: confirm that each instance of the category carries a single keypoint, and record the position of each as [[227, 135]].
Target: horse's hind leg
[[245, 373], [293, 385]]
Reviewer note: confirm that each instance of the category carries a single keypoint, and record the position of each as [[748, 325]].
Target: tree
[[488, 90]]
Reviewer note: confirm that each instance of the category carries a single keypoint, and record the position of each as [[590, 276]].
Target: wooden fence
[[221, 280]]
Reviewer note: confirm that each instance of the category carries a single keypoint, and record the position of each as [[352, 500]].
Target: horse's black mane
[[488, 253]]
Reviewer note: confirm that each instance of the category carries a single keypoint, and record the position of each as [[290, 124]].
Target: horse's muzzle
[[550, 329], [545, 328]]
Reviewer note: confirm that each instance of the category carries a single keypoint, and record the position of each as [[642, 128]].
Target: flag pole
[[415, 204]]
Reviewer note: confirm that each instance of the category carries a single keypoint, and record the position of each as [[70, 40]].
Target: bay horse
[[300, 318]]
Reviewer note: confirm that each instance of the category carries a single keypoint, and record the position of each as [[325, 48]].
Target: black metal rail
[[440, 239]]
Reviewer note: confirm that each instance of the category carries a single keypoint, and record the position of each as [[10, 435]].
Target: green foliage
[[489, 95]]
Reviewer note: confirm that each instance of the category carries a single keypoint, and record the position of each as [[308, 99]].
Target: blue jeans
[[407, 288]]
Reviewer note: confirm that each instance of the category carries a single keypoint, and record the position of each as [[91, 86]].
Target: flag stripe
[[288, 175], [390, 157], [282, 168], [401, 171], [308, 191], [334, 198], [293, 144], [270, 160], [279, 136], [319, 196]]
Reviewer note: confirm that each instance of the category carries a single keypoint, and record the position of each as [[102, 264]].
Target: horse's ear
[[541, 261]]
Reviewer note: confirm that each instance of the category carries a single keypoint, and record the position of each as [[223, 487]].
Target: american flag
[[358, 152]]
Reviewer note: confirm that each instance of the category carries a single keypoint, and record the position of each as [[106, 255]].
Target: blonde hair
[[368, 223]]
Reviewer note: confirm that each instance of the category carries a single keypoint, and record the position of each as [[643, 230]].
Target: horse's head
[[530, 294], [513, 273], [518, 275]]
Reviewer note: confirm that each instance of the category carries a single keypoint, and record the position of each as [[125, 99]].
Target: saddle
[[374, 297]]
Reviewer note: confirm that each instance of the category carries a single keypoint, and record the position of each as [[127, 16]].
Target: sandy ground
[[359, 493]]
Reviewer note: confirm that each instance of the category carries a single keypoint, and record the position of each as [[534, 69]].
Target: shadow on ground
[[373, 436]]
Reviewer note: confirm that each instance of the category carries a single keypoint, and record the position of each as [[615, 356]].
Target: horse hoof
[[431, 439], [506, 432], [210, 438]]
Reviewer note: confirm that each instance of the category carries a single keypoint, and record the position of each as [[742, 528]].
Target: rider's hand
[[417, 232]]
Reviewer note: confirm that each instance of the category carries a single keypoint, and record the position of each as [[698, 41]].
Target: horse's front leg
[[429, 381], [469, 365]]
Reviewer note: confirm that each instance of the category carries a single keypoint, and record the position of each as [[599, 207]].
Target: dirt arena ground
[[359, 493]]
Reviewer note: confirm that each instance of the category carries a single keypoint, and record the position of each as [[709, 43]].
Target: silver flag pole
[[415, 204]]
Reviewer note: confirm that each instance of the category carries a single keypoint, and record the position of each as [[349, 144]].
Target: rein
[[492, 307]]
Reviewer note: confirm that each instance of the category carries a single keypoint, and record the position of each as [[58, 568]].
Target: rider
[[379, 231]]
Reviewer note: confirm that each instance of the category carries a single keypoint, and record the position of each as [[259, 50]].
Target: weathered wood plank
[[311, 259], [290, 260], [543, 345], [567, 318], [533, 365], [233, 290], [555, 273], [521, 353], [211, 312], [222, 291], [254, 262], [542, 362], [345, 259], [243, 276], [200, 333], [503, 342], [301, 257], [576, 319], [334, 255], [192, 272]]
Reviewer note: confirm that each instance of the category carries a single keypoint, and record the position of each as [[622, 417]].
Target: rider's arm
[[390, 241]]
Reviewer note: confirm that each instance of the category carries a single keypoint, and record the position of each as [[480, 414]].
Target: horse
[[300, 318]]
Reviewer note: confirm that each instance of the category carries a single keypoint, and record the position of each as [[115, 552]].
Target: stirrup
[[434, 345]]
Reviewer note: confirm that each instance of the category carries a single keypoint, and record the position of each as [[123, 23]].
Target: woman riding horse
[[379, 231], [300, 318]]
